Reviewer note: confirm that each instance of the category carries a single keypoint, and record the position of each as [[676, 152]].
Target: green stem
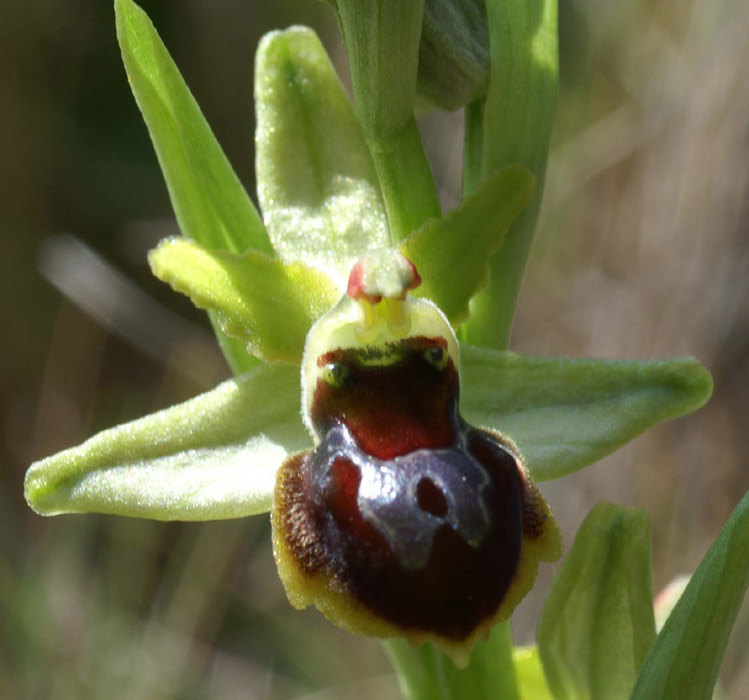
[[517, 118], [428, 674], [473, 146], [406, 181]]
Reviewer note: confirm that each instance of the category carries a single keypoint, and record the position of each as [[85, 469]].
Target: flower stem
[[428, 674], [473, 146], [406, 180]]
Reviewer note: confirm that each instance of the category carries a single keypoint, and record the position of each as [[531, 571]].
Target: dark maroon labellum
[[403, 508]]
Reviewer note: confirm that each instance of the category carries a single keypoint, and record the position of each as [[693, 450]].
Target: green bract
[[598, 622], [453, 53], [334, 182]]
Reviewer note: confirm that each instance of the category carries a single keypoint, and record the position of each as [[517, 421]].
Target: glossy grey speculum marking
[[388, 497]]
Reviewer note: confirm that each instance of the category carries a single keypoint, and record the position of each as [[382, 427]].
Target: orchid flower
[[376, 411]]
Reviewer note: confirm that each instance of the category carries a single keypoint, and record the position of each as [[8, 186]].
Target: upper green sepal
[[598, 624], [267, 303], [451, 253], [209, 458], [685, 659], [564, 413], [317, 185]]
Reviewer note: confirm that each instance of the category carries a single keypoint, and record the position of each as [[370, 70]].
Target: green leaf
[[685, 659], [530, 674], [451, 253], [209, 201], [428, 674], [269, 304], [382, 40], [565, 414], [211, 204], [512, 125], [597, 624], [316, 183], [212, 457]]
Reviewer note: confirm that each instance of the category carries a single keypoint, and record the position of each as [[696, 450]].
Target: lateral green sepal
[[564, 414], [267, 303], [209, 458]]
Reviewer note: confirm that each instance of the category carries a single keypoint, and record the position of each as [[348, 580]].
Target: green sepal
[[598, 624], [451, 253], [268, 304], [426, 673], [685, 659], [564, 414], [512, 124], [210, 203], [317, 186], [209, 458]]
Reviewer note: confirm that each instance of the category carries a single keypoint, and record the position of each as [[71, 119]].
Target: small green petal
[[212, 457], [316, 183], [451, 253], [685, 659], [210, 202], [267, 303], [565, 414], [598, 624]]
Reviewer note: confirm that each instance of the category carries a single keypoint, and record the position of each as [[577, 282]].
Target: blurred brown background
[[642, 252]]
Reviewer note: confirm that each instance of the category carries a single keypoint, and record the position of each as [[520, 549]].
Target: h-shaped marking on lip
[[387, 495]]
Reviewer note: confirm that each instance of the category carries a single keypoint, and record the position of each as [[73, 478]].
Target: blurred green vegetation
[[642, 252]]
